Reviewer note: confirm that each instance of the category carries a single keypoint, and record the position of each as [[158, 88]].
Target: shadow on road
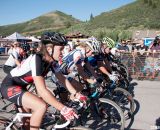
[[157, 124], [131, 88]]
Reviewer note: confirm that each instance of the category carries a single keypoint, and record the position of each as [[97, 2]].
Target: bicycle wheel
[[112, 115], [79, 128], [125, 100], [4, 122]]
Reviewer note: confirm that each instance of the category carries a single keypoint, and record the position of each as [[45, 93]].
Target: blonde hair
[[83, 45]]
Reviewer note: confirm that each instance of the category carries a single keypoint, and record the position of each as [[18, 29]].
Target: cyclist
[[73, 63], [69, 47], [97, 60], [33, 69]]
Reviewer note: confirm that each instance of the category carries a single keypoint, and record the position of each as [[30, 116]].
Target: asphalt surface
[[147, 102]]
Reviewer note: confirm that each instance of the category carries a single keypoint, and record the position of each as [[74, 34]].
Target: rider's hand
[[81, 97], [68, 113], [113, 77]]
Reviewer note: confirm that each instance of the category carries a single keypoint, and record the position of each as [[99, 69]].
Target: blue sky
[[16, 11]]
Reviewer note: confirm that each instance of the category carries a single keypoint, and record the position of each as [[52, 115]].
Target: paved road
[[146, 95]]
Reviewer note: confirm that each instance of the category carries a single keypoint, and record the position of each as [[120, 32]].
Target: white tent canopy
[[16, 36], [33, 39]]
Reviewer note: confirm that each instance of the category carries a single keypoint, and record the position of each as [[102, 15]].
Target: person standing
[[14, 58]]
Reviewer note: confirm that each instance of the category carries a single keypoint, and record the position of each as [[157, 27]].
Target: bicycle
[[11, 118], [50, 122], [105, 109]]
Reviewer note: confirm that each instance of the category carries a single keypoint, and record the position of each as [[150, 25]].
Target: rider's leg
[[38, 108]]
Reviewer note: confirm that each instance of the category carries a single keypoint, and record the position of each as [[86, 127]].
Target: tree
[[91, 17], [150, 2], [145, 1], [68, 24]]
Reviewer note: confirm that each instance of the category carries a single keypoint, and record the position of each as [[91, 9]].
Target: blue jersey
[[93, 60]]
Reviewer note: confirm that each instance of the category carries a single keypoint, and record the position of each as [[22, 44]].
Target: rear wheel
[[112, 115], [125, 100]]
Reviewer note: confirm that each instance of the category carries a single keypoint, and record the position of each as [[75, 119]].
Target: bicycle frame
[[20, 116]]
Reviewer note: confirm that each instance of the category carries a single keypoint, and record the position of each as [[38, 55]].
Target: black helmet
[[156, 40], [25, 46], [53, 38]]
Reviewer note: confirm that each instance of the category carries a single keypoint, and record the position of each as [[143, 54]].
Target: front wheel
[[111, 114], [125, 100], [4, 122], [79, 128]]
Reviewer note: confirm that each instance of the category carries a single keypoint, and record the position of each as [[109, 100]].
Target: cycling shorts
[[11, 91], [7, 69]]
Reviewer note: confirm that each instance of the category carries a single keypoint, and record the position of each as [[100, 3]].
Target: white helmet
[[94, 44]]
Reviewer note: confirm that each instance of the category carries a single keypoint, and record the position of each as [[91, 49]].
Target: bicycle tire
[[124, 71], [80, 128], [4, 122], [130, 100], [103, 103]]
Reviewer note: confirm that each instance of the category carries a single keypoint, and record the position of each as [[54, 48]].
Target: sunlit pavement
[[147, 101]]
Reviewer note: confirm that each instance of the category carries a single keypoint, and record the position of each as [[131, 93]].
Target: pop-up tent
[[33, 39], [17, 37]]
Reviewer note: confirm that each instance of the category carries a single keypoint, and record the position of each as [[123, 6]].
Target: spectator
[[10, 50], [155, 46], [16, 46], [129, 44], [122, 47], [141, 48]]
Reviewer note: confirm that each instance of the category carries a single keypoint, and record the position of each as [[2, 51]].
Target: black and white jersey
[[32, 66]]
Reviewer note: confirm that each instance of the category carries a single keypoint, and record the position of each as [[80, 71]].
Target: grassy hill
[[139, 15], [51, 21], [135, 15], [117, 23]]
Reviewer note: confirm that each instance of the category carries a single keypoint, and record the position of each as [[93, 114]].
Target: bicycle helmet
[[110, 43], [53, 38], [25, 46], [94, 44], [157, 38]]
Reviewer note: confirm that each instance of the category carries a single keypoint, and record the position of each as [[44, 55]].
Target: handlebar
[[57, 126]]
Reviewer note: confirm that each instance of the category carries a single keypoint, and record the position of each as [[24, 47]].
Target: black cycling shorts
[[7, 69], [11, 91]]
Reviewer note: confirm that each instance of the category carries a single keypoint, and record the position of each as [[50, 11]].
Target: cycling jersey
[[14, 84], [69, 61], [93, 59]]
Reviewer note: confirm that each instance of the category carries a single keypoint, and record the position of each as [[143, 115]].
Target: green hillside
[[138, 14], [118, 23], [50, 21], [141, 15]]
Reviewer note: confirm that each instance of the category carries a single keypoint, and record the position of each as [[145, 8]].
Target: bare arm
[[17, 62], [102, 68], [84, 75], [45, 93]]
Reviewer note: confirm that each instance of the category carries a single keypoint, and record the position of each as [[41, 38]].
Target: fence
[[142, 65]]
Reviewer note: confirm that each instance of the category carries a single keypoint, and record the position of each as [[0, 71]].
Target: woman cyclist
[[33, 70]]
